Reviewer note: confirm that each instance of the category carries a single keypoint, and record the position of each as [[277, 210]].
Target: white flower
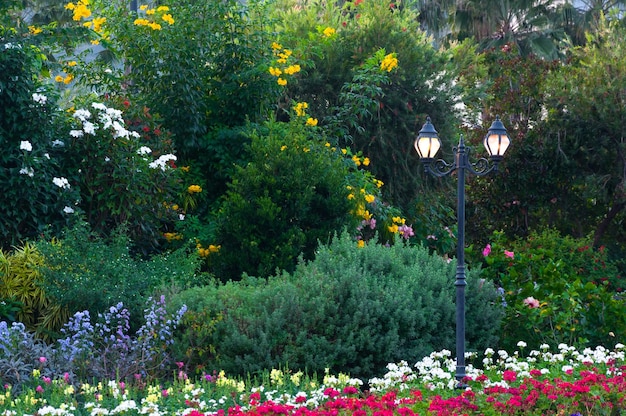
[[39, 98], [161, 162], [107, 159], [521, 344], [181, 217], [46, 155], [27, 171], [99, 106], [25, 145], [58, 143], [68, 210], [89, 128], [82, 114], [61, 182], [76, 133], [144, 150]]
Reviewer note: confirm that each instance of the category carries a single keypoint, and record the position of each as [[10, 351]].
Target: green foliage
[[351, 309], [28, 163], [206, 68], [20, 281], [573, 284], [83, 271], [376, 113], [290, 196]]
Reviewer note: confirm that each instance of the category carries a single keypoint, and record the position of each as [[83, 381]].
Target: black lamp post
[[427, 145]]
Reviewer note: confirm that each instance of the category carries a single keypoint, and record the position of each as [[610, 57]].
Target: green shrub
[[557, 290], [351, 309], [289, 196], [20, 286], [83, 271], [28, 163]]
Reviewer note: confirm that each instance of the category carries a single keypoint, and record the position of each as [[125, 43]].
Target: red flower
[[509, 375]]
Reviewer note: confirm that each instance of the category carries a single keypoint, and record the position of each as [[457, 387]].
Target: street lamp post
[[427, 145]]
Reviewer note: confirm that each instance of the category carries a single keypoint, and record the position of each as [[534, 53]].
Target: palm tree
[[529, 24]]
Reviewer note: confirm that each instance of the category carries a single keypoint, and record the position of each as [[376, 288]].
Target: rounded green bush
[[351, 309]]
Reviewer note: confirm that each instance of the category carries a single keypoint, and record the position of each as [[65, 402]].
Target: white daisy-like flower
[[68, 210], [76, 133]]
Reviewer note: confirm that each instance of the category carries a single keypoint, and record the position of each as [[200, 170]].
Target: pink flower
[[509, 254], [509, 375], [487, 250], [39, 389], [42, 360], [531, 302]]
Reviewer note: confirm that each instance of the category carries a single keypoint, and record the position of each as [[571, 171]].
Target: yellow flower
[[389, 62], [327, 144], [175, 207], [379, 183], [155, 26], [143, 7], [68, 79], [163, 9], [360, 243], [141, 22], [58, 78], [150, 12], [168, 18], [300, 109], [34, 30], [193, 189], [329, 31], [398, 220], [282, 148], [393, 228], [311, 121], [306, 149], [98, 22], [275, 71], [344, 151], [71, 63], [95, 42], [281, 81], [350, 196], [356, 160], [213, 248], [276, 46], [370, 198], [79, 9], [366, 161], [292, 69]]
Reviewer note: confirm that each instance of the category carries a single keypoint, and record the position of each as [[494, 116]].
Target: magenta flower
[[487, 250], [509, 254], [42, 360], [39, 389]]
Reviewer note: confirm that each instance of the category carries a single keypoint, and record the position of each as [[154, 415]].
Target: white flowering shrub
[[34, 194], [121, 178]]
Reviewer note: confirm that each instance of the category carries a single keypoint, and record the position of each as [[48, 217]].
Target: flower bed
[[564, 382]]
